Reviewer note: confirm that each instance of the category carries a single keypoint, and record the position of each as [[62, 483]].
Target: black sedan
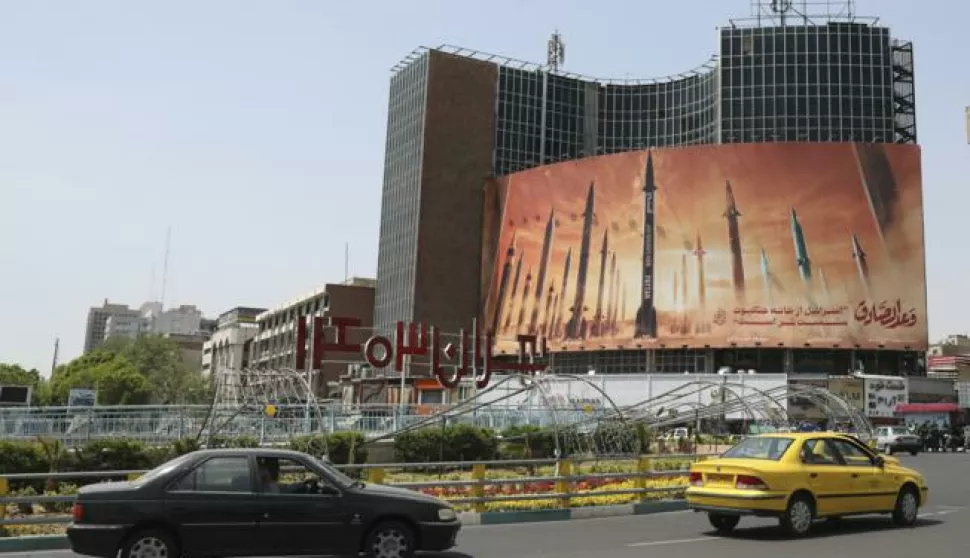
[[256, 502]]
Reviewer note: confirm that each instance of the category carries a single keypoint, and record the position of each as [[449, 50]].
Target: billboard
[[777, 244], [883, 393]]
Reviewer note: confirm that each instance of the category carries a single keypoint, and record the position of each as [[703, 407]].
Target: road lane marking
[[673, 541], [532, 524], [36, 553]]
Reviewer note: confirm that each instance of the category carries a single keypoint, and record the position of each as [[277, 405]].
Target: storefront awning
[[927, 408]]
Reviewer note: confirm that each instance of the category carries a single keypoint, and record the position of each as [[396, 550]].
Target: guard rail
[[567, 474]]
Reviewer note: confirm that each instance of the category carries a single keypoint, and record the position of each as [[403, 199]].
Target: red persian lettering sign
[[471, 357]]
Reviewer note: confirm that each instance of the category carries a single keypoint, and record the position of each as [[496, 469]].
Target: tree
[[159, 360], [116, 379], [16, 375]]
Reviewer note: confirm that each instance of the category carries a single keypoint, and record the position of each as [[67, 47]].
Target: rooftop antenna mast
[[555, 52], [57, 344], [781, 7], [168, 241]]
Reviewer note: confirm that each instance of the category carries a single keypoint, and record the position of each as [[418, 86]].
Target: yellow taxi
[[801, 477]]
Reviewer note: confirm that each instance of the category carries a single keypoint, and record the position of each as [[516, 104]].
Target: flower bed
[[584, 493]]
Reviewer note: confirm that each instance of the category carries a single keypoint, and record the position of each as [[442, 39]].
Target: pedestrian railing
[[649, 477]]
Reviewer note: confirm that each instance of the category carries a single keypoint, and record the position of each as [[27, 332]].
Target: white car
[[890, 439]]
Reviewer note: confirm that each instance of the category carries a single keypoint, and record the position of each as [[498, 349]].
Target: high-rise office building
[[457, 117], [98, 318]]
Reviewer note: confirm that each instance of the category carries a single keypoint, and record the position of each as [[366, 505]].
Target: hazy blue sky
[[256, 130]]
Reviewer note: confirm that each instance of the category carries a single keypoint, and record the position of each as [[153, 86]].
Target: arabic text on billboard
[[883, 394], [753, 245]]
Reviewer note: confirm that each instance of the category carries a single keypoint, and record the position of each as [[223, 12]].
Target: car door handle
[[855, 475], [814, 475]]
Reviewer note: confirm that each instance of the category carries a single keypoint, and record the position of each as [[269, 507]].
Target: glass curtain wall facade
[[545, 118], [841, 81], [807, 83], [401, 195]]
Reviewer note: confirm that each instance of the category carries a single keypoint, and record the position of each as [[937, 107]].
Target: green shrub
[[233, 442], [527, 442], [453, 443], [184, 446], [112, 455], [617, 438], [337, 447], [21, 457]]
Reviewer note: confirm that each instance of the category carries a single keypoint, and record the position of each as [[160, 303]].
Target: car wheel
[[913, 452], [150, 543], [889, 449], [907, 507], [723, 523], [799, 515], [390, 540]]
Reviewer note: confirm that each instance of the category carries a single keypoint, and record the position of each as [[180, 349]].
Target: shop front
[[943, 415]]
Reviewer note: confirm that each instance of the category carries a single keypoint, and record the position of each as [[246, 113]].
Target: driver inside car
[[269, 478], [269, 475]]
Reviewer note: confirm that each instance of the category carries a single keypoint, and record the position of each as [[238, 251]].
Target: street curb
[[39, 543], [592, 512], [25, 546]]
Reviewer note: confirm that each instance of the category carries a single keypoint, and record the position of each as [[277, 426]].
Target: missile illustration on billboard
[[504, 284], [882, 191], [614, 295], [543, 267], [599, 319], [699, 253], [557, 323], [861, 261], [766, 276], [524, 300], [547, 314], [515, 290], [676, 291], [646, 320], [623, 305], [555, 304], [683, 280], [576, 326], [731, 213], [802, 260], [702, 325]]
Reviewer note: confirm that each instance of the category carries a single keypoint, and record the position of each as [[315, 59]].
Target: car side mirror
[[879, 461]]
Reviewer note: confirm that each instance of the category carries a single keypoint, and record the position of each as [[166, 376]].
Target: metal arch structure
[[758, 405], [586, 442], [831, 402], [250, 395], [671, 398], [564, 429]]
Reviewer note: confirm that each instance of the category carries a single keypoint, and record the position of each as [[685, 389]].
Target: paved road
[[942, 532]]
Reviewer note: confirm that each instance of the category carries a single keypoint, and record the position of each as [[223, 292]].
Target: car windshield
[[163, 469], [772, 448], [336, 474]]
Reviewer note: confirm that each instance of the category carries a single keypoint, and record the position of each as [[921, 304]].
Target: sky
[[255, 130]]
